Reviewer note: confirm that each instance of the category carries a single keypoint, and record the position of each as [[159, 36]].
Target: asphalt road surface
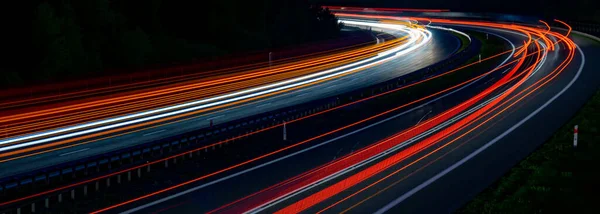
[[442, 45], [439, 183]]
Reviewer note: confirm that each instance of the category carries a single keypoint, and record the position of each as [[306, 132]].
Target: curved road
[[448, 178]]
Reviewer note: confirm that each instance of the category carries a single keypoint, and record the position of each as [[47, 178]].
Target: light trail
[[268, 128], [161, 191], [531, 70], [50, 117], [346, 183], [223, 99], [180, 79]]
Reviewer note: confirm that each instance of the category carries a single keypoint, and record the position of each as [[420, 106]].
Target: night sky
[[572, 9]]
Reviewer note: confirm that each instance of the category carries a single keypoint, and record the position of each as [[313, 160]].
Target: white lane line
[[476, 152], [73, 152], [335, 175], [331, 86], [156, 132], [266, 104], [212, 118]]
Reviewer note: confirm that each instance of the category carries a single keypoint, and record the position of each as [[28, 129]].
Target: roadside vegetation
[[556, 178], [71, 38]]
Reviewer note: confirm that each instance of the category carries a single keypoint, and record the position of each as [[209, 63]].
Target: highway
[[431, 53], [388, 188], [403, 156], [208, 196]]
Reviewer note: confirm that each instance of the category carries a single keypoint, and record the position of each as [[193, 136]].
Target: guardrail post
[[47, 203], [140, 171], [129, 175], [97, 185], [166, 163], [19, 210], [284, 131], [33, 207], [575, 133], [73, 194], [60, 198], [85, 190], [108, 182], [147, 168], [119, 178]]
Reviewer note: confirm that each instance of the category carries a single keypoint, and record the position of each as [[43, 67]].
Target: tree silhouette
[[72, 38]]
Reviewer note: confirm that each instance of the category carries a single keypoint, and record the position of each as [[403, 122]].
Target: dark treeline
[[72, 38], [574, 10]]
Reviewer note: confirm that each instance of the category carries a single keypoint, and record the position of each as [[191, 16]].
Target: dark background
[[47, 40], [62, 39], [580, 10]]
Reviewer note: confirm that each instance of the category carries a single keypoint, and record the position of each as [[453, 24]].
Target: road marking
[[73, 152], [156, 132], [476, 152], [335, 175], [307, 187], [212, 118], [266, 104]]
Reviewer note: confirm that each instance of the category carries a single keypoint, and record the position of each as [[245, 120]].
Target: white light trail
[[146, 116]]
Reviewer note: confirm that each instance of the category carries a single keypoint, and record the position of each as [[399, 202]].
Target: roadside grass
[[556, 178]]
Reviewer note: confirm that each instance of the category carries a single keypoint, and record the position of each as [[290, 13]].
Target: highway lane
[[206, 200], [211, 196], [374, 135], [271, 83], [429, 54], [458, 186], [444, 197]]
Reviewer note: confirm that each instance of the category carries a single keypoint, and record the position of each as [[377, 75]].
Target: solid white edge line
[[476, 152], [400, 50]]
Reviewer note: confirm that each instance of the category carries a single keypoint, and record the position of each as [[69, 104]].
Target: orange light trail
[[323, 195]]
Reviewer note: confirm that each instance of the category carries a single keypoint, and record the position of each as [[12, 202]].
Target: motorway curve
[[404, 159]]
